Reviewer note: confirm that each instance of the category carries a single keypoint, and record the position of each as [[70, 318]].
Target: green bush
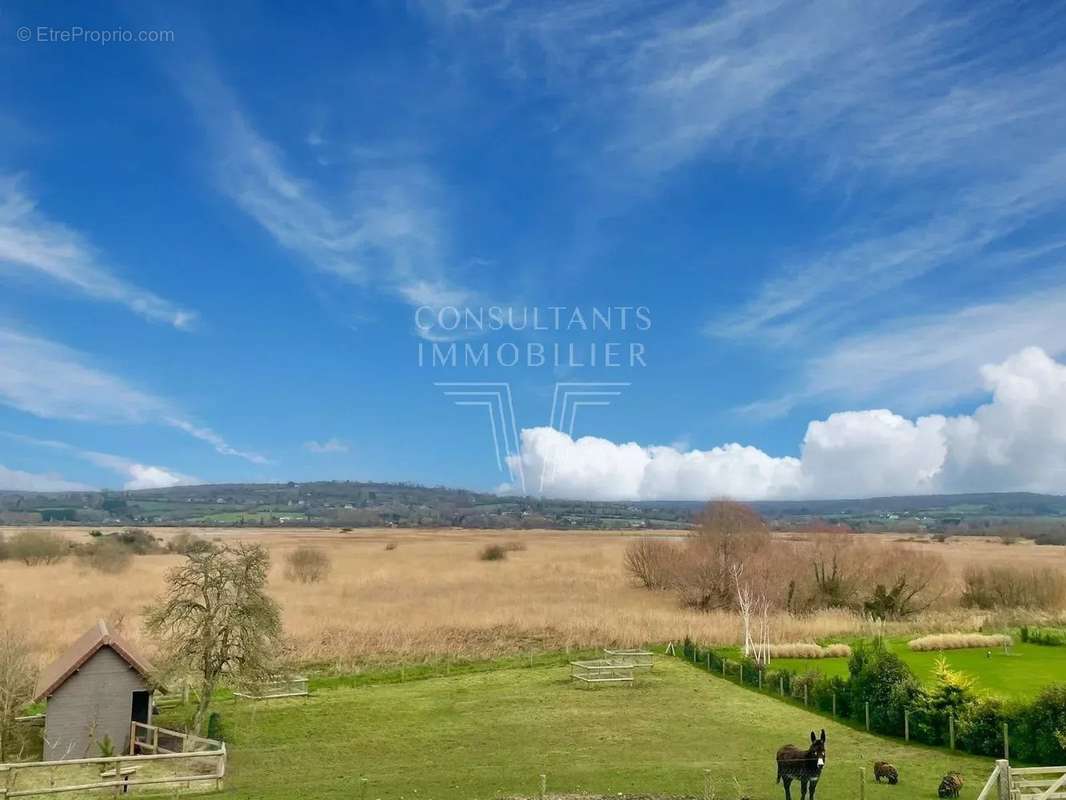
[[979, 726], [1042, 728], [881, 679], [214, 727], [1053, 637]]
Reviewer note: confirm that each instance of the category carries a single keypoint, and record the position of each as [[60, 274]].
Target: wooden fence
[[197, 761], [1024, 783], [295, 686]]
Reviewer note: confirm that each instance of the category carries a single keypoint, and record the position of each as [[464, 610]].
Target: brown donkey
[[802, 765]]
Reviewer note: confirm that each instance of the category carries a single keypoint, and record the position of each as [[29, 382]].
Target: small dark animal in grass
[[951, 785], [804, 766], [885, 771]]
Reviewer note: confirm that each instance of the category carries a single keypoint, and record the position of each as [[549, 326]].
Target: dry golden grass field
[[431, 596]]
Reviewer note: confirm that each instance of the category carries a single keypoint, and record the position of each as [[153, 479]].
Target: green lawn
[[492, 734], [1020, 675]]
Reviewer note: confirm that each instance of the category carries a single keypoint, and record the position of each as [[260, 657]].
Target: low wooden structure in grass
[[640, 659], [295, 686], [601, 671]]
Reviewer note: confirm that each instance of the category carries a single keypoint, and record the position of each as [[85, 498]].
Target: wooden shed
[[94, 690]]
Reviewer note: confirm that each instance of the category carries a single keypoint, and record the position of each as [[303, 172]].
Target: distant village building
[[94, 690]]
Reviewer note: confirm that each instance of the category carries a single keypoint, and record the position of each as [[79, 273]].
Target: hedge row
[[898, 701]]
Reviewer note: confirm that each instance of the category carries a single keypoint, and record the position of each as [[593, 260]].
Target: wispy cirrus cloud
[[136, 474], [32, 245], [927, 361], [927, 131], [385, 233], [332, 445], [51, 381], [18, 481]]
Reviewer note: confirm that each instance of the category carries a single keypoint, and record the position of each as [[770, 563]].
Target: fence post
[[760, 678], [723, 667], [834, 704], [707, 785], [708, 660], [862, 783], [804, 694], [1004, 778], [362, 788], [741, 672], [1006, 742], [543, 786], [906, 725], [867, 715], [951, 731], [781, 685]]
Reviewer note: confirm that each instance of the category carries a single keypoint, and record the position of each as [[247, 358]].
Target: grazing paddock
[[491, 735], [1020, 675]]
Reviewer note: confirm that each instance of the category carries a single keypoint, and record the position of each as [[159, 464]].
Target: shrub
[[493, 552], [979, 726], [307, 564], [1052, 637], [108, 556], [1043, 728], [185, 543], [881, 679], [959, 641], [38, 547], [138, 540], [1013, 587], [653, 562]]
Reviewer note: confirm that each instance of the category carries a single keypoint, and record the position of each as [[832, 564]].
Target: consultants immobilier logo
[[581, 343]]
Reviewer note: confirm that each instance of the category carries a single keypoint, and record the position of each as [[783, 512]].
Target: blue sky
[[844, 229]]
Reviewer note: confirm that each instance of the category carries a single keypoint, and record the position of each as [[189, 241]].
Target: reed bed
[[959, 641], [428, 598]]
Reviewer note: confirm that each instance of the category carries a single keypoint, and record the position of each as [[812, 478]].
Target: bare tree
[[217, 620], [18, 676], [755, 618]]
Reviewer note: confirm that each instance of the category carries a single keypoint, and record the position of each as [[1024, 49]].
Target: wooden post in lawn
[[805, 694], [906, 725], [707, 793], [867, 715], [708, 660], [1006, 742], [742, 672], [760, 679], [862, 783], [834, 704], [363, 782], [543, 786], [1004, 778], [781, 685], [951, 731], [723, 667]]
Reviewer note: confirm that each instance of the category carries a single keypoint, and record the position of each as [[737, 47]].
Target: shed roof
[[98, 636]]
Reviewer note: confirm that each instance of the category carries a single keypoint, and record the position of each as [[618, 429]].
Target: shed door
[[142, 703]]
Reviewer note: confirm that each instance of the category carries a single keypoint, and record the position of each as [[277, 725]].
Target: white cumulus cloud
[[1016, 441]]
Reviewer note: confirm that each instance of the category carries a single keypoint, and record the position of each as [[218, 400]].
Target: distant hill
[[357, 504]]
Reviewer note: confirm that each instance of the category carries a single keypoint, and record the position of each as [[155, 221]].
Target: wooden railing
[[147, 738], [1024, 783], [119, 773]]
